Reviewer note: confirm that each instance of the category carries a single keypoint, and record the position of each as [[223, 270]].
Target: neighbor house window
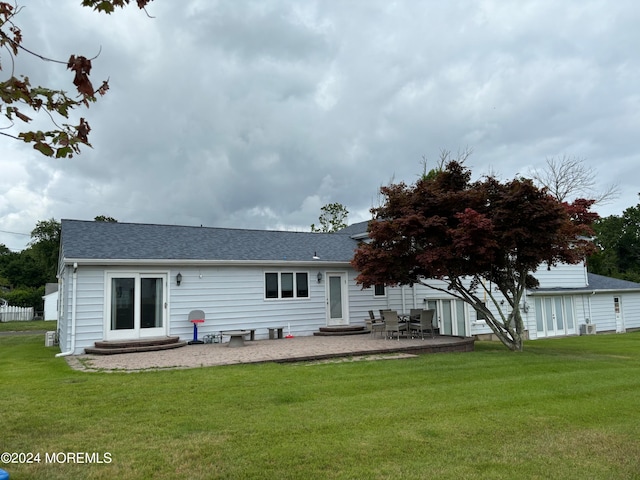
[[378, 290], [286, 285]]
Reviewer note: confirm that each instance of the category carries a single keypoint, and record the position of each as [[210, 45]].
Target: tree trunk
[[510, 337]]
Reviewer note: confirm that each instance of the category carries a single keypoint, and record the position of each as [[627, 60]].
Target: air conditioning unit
[[588, 329], [51, 339]]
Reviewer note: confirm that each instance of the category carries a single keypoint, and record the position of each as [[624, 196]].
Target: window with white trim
[[286, 285], [379, 290]]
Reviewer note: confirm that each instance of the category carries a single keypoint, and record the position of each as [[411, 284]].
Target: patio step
[[140, 345], [342, 330]]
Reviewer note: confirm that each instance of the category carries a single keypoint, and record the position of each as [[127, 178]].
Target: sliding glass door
[[136, 305]]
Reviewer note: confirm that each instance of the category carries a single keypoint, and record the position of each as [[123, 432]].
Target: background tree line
[[23, 274], [618, 242]]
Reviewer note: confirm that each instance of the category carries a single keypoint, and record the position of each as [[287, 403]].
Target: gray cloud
[[255, 114]]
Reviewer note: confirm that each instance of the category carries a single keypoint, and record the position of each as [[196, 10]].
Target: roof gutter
[[199, 262], [584, 291]]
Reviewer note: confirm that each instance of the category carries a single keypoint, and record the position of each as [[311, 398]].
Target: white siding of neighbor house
[[51, 306]]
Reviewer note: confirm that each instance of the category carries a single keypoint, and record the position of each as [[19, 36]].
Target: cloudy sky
[[255, 114]]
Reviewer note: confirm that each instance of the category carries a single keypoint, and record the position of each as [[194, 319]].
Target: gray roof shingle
[[133, 241], [596, 282], [599, 282]]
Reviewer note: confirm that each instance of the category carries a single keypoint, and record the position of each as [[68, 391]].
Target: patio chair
[[375, 324], [392, 324], [414, 314], [425, 324]]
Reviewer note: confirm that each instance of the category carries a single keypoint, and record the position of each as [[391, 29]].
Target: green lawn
[[27, 326], [565, 408]]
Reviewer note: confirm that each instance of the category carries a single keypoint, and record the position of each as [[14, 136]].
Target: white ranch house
[[125, 281]]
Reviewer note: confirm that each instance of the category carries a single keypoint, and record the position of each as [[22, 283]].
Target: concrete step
[[341, 330], [136, 345]]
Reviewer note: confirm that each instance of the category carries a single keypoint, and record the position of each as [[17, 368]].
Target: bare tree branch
[[569, 177]]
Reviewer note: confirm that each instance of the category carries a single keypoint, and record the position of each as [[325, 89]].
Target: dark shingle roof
[[133, 241], [599, 282], [357, 229], [596, 282]]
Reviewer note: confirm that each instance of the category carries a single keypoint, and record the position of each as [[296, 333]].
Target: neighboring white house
[[50, 301], [129, 281]]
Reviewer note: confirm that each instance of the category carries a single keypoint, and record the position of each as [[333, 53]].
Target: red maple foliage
[[447, 228]]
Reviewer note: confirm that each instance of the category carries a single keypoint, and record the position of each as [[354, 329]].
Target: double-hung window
[[286, 285]]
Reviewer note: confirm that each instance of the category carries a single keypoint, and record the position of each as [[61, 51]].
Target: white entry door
[[136, 306], [337, 299]]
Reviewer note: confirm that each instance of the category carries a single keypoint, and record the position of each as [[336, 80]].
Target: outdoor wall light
[[178, 279], [319, 277]]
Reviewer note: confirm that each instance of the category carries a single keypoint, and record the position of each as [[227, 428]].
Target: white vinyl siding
[[235, 297], [563, 275]]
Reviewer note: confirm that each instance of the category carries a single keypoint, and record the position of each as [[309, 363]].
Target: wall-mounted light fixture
[[178, 279], [319, 277], [315, 256]]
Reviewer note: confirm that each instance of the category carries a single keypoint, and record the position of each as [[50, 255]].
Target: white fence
[[16, 314]]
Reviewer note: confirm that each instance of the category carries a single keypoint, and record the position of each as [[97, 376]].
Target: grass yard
[[27, 326], [565, 408]]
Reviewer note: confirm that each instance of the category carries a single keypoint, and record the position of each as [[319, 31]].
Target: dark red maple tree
[[480, 238]]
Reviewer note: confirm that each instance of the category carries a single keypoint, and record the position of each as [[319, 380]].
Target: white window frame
[[384, 289]]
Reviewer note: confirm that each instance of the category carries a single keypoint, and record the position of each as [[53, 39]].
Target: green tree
[[332, 218], [26, 297], [618, 242], [45, 246], [21, 269], [475, 237], [20, 101], [103, 218]]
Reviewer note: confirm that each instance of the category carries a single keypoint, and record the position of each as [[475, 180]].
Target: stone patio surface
[[259, 351]]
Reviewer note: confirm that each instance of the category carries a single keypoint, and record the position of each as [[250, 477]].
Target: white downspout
[[74, 289]]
